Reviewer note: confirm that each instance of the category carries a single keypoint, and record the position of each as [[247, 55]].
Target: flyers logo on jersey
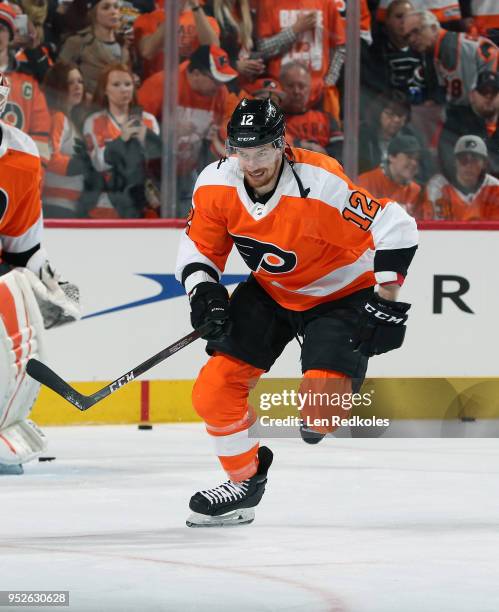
[[14, 115], [266, 256]]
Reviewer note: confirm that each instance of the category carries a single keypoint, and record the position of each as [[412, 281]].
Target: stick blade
[[44, 375]]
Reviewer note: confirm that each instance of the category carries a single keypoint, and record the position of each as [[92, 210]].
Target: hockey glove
[[59, 301], [210, 303], [382, 326]]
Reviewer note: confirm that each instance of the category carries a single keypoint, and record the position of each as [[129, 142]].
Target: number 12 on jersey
[[360, 210]]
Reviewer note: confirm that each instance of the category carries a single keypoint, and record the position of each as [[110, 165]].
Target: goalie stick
[[44, 375]]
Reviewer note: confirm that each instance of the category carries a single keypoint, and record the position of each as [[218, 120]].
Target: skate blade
[[244, 516]]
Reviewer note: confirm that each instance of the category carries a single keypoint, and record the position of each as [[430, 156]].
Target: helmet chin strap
[[290, 158]]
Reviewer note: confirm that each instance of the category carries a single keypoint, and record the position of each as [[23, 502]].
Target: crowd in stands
[[87, 80]]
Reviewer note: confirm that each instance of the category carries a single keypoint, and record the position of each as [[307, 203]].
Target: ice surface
[[350, 525]]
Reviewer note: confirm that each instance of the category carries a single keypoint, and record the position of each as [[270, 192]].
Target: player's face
[[119, 88], [485, 103], [420, 37], [404, 166], [107, 14], [260, 165], [469, 168], [392, 121], [395, 20], [75, 87], [296, 86]]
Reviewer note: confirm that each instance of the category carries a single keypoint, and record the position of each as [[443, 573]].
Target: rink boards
[[133, 308]]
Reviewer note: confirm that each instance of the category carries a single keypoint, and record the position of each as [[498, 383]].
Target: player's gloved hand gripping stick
[[210, 304], [43, 374], [382, 326]]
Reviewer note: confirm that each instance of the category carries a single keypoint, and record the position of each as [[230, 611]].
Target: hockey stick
[[43, 374]]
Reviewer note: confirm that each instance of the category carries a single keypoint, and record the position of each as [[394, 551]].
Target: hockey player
[[32, 294], [316, 245]]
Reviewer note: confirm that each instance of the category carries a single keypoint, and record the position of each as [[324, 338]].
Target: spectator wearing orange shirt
[[202, 102], [194, 28], [308, 129], [307, 30], [395, 179], [474, 194]]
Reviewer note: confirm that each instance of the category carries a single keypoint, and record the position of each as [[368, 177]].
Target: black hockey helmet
[[255, 123]]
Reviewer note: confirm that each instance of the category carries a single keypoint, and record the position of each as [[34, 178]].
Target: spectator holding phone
[[125, 146], [26, 108], [71, 182], [236, 36], [33, 56], [97, 46]]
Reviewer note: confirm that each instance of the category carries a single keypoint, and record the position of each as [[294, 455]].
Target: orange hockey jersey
[[27, 110], [312, 47], [21, 223], [382, 186], [302, 250], [59, 189], [450, 204], [100, 128]]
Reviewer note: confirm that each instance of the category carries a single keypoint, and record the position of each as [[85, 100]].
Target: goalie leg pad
[[21, 338], [21, 442]]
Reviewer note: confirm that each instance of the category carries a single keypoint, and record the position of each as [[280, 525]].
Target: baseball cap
[[7, 17], [214, 60], [487, 80], [404, 144], [265, 85], [471, 144]]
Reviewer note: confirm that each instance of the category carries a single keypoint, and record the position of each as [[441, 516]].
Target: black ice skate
[[310, 436], [231, 503]]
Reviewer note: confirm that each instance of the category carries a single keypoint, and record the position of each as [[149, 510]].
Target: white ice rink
[[351, 525]]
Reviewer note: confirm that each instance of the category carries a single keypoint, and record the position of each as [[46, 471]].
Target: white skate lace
[[228, 491]]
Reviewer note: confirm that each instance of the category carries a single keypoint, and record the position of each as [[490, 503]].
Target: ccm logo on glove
[[384, 316], [382, 326]]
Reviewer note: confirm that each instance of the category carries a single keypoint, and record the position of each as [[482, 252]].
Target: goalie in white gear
[[32, 294]]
